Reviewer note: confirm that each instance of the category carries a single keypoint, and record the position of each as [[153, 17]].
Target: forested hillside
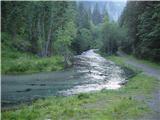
[[43, 29], [31, 30], [142, 23], [32, 24], [62, 29]]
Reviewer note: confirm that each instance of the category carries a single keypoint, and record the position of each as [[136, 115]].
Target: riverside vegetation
[[105, 105], [14, 61], [27, 27], [44, 36]]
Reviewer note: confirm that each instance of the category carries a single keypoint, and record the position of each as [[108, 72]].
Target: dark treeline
[[142, 23], [36, 26], [68, 28]]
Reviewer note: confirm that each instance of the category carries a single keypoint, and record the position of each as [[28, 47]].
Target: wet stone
[[26, 90]]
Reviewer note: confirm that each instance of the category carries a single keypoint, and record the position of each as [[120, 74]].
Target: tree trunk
[[43, 35], [39, 33], [49, 35]]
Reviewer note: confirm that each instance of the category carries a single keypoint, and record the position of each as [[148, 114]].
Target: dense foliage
[[15, 61], [36, 23], [64, 28], [142, 21]]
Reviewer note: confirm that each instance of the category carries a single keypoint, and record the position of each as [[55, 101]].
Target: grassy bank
[[104, 105], [14, 61], [26, 63], [119, 104], [120, 61]]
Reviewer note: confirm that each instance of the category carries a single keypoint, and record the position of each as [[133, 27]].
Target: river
[[90, 73]]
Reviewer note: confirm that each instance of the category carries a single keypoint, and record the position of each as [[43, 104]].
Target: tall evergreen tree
[[96, 16], [142, 22]]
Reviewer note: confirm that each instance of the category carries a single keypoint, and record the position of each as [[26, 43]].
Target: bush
[[82, 96]]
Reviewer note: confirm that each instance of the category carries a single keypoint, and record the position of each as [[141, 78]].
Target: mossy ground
[[119, 104]]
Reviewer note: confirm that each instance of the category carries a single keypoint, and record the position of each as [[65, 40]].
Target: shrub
[[82, 96]]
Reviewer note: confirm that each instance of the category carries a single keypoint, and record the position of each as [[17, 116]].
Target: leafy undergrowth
[[14, 61], [104, 105]]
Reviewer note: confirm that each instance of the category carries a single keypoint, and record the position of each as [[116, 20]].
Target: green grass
[[30, 64], [147, 62], [144, 82], [105, 105], [117, 60], [14, 61], [121, 61]]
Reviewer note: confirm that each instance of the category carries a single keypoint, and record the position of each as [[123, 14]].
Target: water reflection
[[90, 72], [98, 72]]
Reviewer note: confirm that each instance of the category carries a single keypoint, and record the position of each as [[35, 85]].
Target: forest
[[46, 29], [45, 36]]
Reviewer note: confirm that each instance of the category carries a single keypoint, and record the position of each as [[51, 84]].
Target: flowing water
[[90, 72]]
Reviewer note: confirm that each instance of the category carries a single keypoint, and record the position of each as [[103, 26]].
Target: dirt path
[[148, 70], [154, 102]]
